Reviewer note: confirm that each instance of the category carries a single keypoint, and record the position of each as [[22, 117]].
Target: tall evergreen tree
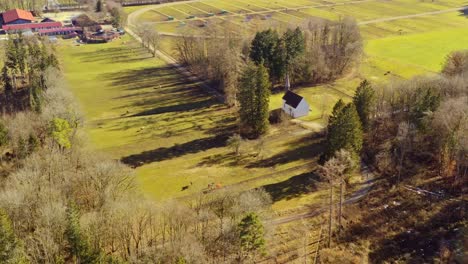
[[294, 44], [251, 234], [263, 94], [11, 249], [79, 245], [6, 80], [267, 49], [426, 101], [364, 101], [254, 96], [344, 132], [337, 108], [3, 138], [21, 54]]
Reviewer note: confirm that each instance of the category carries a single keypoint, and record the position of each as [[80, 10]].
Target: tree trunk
[[330, 218], [340, 208]]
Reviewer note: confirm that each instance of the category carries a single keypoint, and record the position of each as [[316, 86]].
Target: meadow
[[140, 110]]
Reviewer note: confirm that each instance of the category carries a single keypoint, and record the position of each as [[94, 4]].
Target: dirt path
[[367, 184]]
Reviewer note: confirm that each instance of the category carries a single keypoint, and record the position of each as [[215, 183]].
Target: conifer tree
[[3, 135], [79, 245], [263, 93], [21, 54], [344, 131], [364, 100], [294, 44], [267, 49], [7, 81], [254, 96], [337, 108], [11, 249], [251, 234]]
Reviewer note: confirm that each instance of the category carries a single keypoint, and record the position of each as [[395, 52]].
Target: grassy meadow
[[142, 111]]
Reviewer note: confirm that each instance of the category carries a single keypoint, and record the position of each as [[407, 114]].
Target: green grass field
[[142, 111]]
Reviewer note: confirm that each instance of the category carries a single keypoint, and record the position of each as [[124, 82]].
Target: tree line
[[26, 63], [317, 52]]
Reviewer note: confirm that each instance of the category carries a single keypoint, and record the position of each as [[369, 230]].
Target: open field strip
[[414, 49], [405, 26]]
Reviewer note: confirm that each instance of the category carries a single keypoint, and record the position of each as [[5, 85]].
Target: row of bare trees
[[330, 50], [424, 119], [32, 5]]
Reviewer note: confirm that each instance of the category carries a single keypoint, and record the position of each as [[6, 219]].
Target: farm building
[[59, 31], [16, 16], [31, 26], [295, 105], [18, 20]]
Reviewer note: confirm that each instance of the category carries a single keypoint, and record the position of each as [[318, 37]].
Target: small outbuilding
[[295, 105]]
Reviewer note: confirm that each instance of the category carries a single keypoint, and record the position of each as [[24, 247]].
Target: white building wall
[[301, 110]]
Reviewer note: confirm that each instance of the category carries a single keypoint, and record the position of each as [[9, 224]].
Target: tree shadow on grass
[[178, 150], [304, 148], [293, 187], [464, 12], [176, 108], [160, 78], [121, 54]]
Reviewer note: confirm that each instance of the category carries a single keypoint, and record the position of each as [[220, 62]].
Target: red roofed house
[[17, 16], [17, 20]]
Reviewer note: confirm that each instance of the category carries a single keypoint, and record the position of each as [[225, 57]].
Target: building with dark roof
[[295, 105], [47, 20]]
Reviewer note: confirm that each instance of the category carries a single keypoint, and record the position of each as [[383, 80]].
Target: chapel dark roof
[[47, 20], [292, 99]]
